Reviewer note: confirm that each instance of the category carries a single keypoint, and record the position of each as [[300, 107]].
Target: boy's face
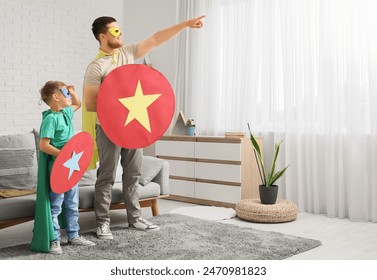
[[64, 97]]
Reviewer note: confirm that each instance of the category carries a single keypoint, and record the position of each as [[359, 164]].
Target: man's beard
[[115, 45]]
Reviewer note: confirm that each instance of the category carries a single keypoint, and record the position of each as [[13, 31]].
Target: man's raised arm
[[166, 34]]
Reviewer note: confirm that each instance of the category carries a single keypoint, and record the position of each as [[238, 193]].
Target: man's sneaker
[[103, 232], [142, 224], [55, 248], [79, 240]]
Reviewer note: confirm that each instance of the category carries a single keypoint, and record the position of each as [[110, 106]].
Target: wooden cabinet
[[210, 170]]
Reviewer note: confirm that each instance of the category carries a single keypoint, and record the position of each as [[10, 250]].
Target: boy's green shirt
[[57, 126]]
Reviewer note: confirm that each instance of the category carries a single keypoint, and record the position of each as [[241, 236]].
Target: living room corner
[[302, 74]]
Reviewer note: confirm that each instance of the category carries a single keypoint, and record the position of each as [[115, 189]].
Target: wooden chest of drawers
[[210, 170]]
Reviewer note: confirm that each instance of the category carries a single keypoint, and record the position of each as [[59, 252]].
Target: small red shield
[[135, 105], [72, 162]]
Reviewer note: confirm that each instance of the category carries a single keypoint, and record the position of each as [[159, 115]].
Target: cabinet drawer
[[182, 188], [182, 168], [230, 194], [175, 148], [218, 172], [218, 151]]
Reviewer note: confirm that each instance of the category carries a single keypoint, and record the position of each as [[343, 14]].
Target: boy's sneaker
[[79, 240], [142, 224], [103, 232], [55, 248]]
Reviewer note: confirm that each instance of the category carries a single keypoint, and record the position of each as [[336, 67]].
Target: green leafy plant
[[268, 179], [190, 123]]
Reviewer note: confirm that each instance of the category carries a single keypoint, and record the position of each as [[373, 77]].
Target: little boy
[[56, 129]]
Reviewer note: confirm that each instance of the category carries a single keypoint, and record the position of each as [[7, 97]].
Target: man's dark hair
[[99, 25]]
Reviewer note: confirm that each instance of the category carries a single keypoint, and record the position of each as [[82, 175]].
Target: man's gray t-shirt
[[99, 68]]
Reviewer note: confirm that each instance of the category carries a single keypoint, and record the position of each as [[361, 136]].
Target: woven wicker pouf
[[252, 210]]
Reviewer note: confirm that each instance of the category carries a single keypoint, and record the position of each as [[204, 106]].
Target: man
[[113, 54]]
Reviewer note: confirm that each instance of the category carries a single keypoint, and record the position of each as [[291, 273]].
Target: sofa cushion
[[17, 207], [89, 178], [86, 194], [17, 168], [152, 189], [36, 138], [151, 166], [149, 169], [22, 141]]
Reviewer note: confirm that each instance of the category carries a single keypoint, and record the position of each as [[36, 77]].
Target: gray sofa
[[18, 180]]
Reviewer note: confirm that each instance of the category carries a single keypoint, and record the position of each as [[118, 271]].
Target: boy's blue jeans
[[71, 205]]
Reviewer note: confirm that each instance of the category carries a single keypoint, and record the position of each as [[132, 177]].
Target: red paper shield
[[72, 162], [135, 105]]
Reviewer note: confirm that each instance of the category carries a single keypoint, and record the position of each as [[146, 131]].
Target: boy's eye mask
[[65, 92]]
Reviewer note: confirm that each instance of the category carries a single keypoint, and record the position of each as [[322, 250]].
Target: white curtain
[[304, 71]]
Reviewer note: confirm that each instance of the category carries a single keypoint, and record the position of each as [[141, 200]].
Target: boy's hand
[[45, 146], [71, 89], [76, 103]]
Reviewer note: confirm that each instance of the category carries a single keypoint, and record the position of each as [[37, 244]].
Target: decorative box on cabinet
[[207, 170]]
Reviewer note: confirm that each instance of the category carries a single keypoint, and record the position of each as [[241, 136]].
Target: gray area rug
[[180, 238]]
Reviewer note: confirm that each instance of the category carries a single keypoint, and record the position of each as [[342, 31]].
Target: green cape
[[43, 231]]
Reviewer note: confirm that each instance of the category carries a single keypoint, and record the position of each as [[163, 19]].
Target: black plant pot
[[268, 195]]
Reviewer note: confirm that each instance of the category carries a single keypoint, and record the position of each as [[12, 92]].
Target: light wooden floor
[[341, 239]]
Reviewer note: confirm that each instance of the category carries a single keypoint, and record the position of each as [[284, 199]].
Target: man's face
[[114, 36]]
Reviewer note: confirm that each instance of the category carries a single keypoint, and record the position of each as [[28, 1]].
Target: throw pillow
[[17, 141], [17, 168], [36, 138], [149, 169]]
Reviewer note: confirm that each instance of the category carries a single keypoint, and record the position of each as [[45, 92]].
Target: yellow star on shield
[[137, 106]]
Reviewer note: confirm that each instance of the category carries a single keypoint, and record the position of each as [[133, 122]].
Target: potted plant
[[267, 190], [190, 126]]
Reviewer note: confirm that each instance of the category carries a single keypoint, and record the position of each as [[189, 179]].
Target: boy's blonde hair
[[49, 89]]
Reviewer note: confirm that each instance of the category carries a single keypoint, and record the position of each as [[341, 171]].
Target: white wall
[[143, 18], [43, 40]]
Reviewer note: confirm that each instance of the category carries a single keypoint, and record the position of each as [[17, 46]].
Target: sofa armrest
[[162, 178]]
